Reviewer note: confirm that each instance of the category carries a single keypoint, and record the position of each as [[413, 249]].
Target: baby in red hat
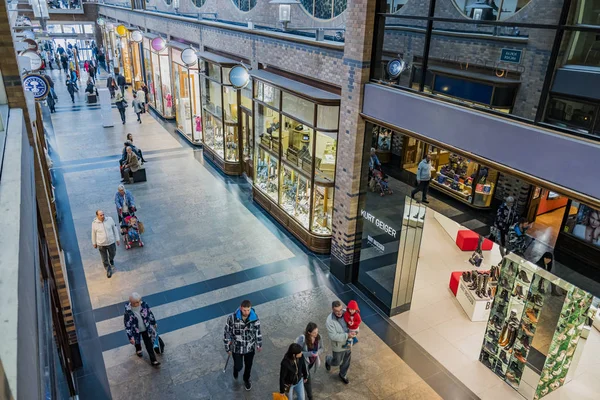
[[352, 318]]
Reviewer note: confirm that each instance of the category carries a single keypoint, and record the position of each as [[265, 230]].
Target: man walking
[[337, 329], [423, 178], [121, 83], [242, 338], [104, 236]]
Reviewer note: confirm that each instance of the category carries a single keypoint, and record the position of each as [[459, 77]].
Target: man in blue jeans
[[337, 329], [423, 178]]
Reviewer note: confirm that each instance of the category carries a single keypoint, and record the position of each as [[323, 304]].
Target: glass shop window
[[302, 109], [296, 141]]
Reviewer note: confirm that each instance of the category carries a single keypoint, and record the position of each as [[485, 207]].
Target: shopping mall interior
[[194, 190]]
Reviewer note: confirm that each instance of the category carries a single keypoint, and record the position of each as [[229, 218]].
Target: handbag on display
[[476, 258]]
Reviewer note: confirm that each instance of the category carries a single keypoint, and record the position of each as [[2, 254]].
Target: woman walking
[[140, 324], [293, 373], [121, 104], [312, 348], [138, 107]]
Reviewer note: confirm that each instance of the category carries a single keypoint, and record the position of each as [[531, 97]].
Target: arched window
[[489, 10], [169, 2], [324, 9], [244, 5], [198, 3]]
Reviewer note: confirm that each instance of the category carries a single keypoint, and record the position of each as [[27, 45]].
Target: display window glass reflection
[[327, 117], [296, 141], [231, 143], [149, 73], [213, 71], [266, 173], [267, 94], [267, 127], [571, 114], [165, 73], [157, 86], [231, 104], [213, 133], [585, 224], [325, 156], [300, 108], [187, 101], [212, 97], [322, 210], [295, 194]]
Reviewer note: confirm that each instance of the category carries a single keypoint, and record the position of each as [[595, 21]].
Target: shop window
[[295, 194], [322, 209], [165, 73], [198, 3], [213, 71], [247, 97], [213, 134], [230, 103], [585, 224], [149, 75], [328, 117], [266, 175], [212, 97], [572, 114], [583, 48], [325, 156], [588, 12], [463, 89], [267, 94], [88, 28], [244, 5], [157, 86], [394, 6], [300, 108], [489, 10], [267, 128], [296, 142], [324, 9], [231, 143]]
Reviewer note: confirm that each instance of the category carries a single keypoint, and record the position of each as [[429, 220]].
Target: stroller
[[379, 181], [131, 230]]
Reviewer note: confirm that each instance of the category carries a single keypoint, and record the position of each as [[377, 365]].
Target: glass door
[[247, 142]]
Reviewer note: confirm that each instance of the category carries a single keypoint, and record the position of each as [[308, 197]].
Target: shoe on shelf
[[531, 315], [248, 385], [344, 379], [523, 276]]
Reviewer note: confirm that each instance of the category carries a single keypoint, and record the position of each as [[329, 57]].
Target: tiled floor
[[207, 246], [438, 323]]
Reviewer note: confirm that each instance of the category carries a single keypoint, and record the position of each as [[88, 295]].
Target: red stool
[[487, 244], [467, 240], [454, 281]]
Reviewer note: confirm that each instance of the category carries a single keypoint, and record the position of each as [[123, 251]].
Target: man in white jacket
[[337, 329], [104, 236]]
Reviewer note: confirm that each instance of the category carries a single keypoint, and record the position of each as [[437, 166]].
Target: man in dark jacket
[[506, 216], [242, 337], [121, 82]]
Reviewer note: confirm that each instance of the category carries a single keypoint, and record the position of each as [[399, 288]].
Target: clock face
[[396, 67]]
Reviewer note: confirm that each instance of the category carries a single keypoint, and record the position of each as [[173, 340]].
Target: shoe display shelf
[[514, 318], [475, 293]]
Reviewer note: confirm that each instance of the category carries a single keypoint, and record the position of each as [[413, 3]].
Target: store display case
[[220, 109], [382, 143], [188, 101], [295, 127], [532, 334], [453, 174]]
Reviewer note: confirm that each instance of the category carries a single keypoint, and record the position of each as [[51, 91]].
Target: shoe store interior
[[508, 326]]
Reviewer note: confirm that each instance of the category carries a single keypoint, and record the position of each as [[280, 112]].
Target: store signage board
[[158, 44], [189, 57], [38, 85], [137, 36], [36, 60], [31, 44], [379, 223], [511, 56], [239, 77], [121, 30]]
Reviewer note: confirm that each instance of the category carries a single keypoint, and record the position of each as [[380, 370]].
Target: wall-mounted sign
[[36, 60], [100, 21], [137, 36], [121, 30], [158, 44], [378, 223], [395, 68], [239, 77], [511, 56], [36, 84], [189, 57]]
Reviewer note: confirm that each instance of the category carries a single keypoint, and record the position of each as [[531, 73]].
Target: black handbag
[[159, 345]]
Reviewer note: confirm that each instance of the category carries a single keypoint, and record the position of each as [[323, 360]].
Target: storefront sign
[[378, 223], [511, 56], [396, 67], [158, 44], [189, 57], [36, 84], [239, 77], [137, 36], [121, 30], [100, 21], [31, 44], [36, 60], [109, 26], [371, 240]]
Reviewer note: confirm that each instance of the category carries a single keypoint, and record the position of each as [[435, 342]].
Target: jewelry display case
[[296, 128]]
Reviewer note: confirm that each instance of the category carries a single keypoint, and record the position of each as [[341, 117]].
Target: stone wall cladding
[[314, 62]]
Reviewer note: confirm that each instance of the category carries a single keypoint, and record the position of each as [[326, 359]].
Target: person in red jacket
[[353, 320]]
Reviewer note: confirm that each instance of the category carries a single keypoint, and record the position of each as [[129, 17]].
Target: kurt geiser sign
[[378, 223]]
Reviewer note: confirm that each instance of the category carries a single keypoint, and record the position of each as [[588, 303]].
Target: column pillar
[[360, 21]]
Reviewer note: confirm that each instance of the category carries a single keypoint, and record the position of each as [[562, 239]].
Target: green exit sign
[[511, 56]]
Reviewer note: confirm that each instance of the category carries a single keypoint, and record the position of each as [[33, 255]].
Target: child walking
[[353, 320]]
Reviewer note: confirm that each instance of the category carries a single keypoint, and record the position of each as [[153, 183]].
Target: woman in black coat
[[547, 262], [293, 373]]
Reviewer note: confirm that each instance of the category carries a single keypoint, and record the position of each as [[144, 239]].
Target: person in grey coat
[[138, 107], [337, 330]]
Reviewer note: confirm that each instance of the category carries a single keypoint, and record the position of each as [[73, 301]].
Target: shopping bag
[[279, 396], [476, 258], [159, 345], [141, 227]]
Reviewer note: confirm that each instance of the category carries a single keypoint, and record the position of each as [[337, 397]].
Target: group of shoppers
[[116, 86]]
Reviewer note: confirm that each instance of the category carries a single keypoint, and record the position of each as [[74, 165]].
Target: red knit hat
[[352, 305]]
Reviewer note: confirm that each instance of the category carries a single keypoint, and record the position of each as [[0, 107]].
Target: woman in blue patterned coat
[[140, 324]]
